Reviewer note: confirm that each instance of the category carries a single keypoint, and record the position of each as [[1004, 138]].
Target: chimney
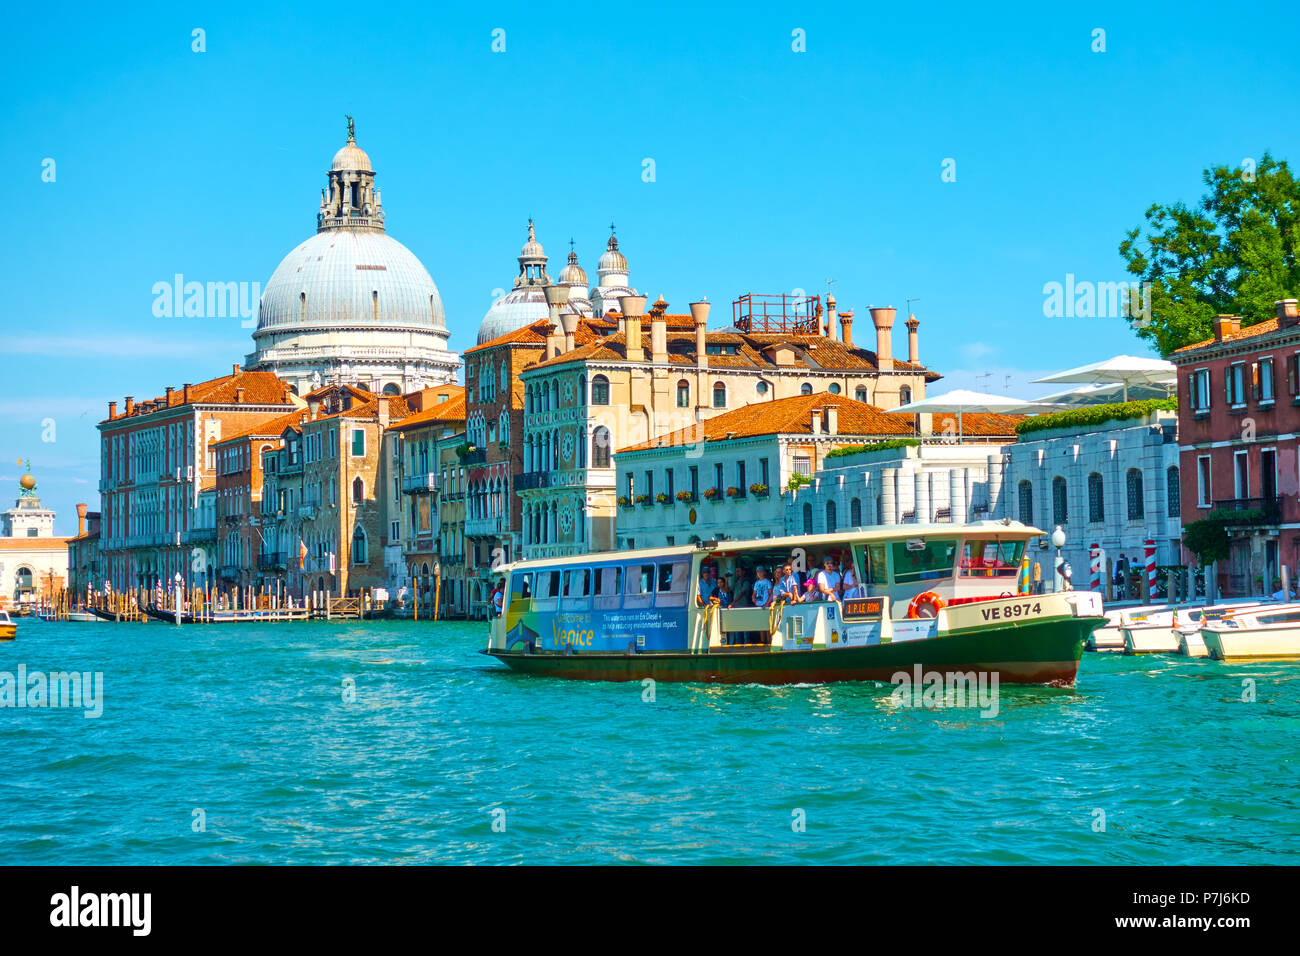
[[112, 409], [570, 322], [130, 405], [557, 296], [185, 393], [846, 328], [239, 395], [81, 520], [700, 313], [553, 341], [913, 346], [1225, 325], [830, 315], [659, 332], [313, 405], [633, 307], [1288, 313], [168, 399], [235, 370], [816, 421], [833, 420], [382, 414], [883, 319]]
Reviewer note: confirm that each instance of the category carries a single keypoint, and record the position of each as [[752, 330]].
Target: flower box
[[685, 496], [712, 494], [663, 499], [734, 492], [643, 499], [758, 489]]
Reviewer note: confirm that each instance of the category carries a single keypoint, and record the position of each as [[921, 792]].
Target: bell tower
[[350, 201]]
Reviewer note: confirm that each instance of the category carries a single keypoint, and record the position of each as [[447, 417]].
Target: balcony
[[308, 511], [272, 562], [420, 484], [533, 479], [475, 456], [196, 535], [1249, 511], [475, 527]]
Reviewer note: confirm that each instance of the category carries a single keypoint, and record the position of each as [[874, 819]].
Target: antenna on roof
[[909, 305], [983, 378]]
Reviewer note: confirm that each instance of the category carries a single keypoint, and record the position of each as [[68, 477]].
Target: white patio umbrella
[[960, 401], [1101, 394], [1124, 370]]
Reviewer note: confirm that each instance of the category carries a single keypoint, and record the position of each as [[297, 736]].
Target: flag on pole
[[302, 554]]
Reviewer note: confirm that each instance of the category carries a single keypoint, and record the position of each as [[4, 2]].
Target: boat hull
[[1040, 652], [8, 632], [1252, 644]]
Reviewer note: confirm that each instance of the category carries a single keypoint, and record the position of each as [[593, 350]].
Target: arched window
[[807, 518], [805, 388], [358, 490], [1096, 499], [582, 390], [834, 388], [860, 393], [719, 395], [1174, 491], [392, 389], [600, 390], [683, 394], [904, 395], [855, 512], [1060, 505], [830, 517], [1134, 482], [600, 447], [555, 393], [1026, 502], [359, 546]]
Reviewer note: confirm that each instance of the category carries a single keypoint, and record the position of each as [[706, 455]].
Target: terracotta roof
[[398, 410], [452, 411], [977, 423], [271, 428], [532, 335], [260, 388], [752, 351], [789, 416], [1249, 332]]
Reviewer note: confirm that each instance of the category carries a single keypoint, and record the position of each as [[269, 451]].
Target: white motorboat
[[1265, 632]]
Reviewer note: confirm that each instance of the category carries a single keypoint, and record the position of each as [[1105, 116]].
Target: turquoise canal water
[[249, 725]]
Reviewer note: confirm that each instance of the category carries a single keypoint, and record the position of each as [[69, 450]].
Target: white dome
[[352, 279], [352, 157], [514, 310]]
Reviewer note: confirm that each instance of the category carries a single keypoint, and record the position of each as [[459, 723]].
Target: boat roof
[[896, 532]]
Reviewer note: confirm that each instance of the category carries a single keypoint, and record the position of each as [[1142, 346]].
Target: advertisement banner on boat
[[656, 629]]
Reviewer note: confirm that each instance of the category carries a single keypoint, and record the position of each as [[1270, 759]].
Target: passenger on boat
[[723, 593], [788, 587], [498, 597], [708, 583], [849, 587], [762, 590], [829, 581]]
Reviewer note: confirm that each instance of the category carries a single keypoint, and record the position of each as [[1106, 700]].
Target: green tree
[[1235, 253]]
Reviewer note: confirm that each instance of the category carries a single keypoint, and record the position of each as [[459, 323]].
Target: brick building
[[1238, 421]]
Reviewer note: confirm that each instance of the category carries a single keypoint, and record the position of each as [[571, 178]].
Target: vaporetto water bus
[[941, 596]]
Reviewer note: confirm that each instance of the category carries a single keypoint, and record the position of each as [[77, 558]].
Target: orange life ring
[[931, 598]]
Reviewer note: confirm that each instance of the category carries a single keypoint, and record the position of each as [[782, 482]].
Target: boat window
[[577, 583], [990, 558], [1281, 617], [521, 586], [641, 581], [871, 560], [548, 584], [609, 581], [665, 577], [673, 580], [918, 559]]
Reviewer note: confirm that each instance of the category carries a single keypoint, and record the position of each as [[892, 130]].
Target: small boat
[[1260, 633], [8, 629], [934, 599]]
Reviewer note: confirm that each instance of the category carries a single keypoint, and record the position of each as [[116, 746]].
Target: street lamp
[[1058, 542]]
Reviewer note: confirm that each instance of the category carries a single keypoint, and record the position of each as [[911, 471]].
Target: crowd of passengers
[[763, 587]]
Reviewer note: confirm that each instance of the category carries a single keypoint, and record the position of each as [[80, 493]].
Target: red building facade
[[1238, 422]]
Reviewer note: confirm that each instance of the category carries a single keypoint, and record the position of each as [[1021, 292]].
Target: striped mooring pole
[[1094, 562], [1149, 552]]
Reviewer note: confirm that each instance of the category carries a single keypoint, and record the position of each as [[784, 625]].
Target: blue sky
[[774, 170]]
